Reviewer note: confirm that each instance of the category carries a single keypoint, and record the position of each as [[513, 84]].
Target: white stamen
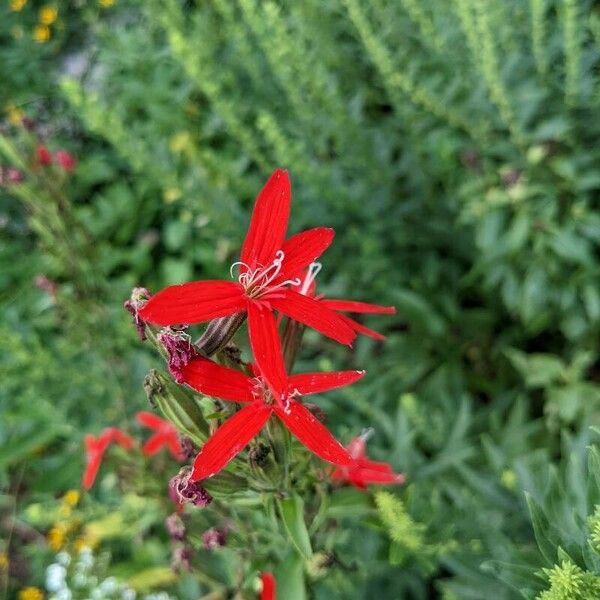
[[262, 278], [311, 274]]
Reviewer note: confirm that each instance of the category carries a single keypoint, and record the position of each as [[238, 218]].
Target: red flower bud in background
[[44, 156], [66, 161], [10, 176], [269, 587]]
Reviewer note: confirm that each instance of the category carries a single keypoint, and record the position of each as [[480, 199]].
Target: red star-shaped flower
[[272, 393], [269, 266], [95, 449], [363, 471], [165, 435]]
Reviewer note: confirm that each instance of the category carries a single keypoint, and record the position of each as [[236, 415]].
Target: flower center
[[261, 281]]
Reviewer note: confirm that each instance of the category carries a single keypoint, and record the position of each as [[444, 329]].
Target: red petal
[[175, 447], [357, 447], [207, 377], [269, 221], [315, 314], [148, 419], [360, 328], [91, 471], [312, 433], [358, 307], [115, 435], [302, 249], [381, 476], [229, 439], [266, 347], [154, 443], [314, 383], [193, 302], [269, 586]]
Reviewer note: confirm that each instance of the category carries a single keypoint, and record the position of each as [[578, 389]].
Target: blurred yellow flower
[[179, 142], [171, 195], [3, 561], [31, 593], [48, 15], [15, 115], [41, 33], [56, 537], [71, 498], [17, 5], [85, 542], [106, 3]]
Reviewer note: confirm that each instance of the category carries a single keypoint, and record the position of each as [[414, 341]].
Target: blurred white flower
[[55, 577], [63, 558], [109, 585]]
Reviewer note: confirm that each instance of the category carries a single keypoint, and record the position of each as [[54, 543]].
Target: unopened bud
[[10, 176], [257, 456], [214, 538], [319, 564], [153, 386], [181, 558], [188, 448], [175, 526]]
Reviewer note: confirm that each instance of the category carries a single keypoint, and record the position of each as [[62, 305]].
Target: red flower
[[308, 288], [269, 268], [95, 449], [269, 586], [363, 471], [270, 394], [43, 155], [165, 435], [66, 161]]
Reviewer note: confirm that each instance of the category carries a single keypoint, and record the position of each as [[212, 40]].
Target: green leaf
[[292, 514], [540, 529], [290, 578]]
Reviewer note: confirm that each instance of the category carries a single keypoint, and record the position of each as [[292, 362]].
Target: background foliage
[[454, 148]]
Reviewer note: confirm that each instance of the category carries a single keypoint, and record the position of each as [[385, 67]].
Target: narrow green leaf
[[292, 514]]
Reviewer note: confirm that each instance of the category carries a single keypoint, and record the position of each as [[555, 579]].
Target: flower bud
[[175, 527], [183, 490], [181, 558], [258, 455], [10, 176], [178, 405], [214, 538]]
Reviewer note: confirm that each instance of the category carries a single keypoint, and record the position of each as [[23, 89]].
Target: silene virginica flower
[[364, 471], [273, 392], [270, 269], [165, 435], [95, 447]]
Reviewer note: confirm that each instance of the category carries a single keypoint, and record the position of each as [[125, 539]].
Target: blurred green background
[[454, 146]]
